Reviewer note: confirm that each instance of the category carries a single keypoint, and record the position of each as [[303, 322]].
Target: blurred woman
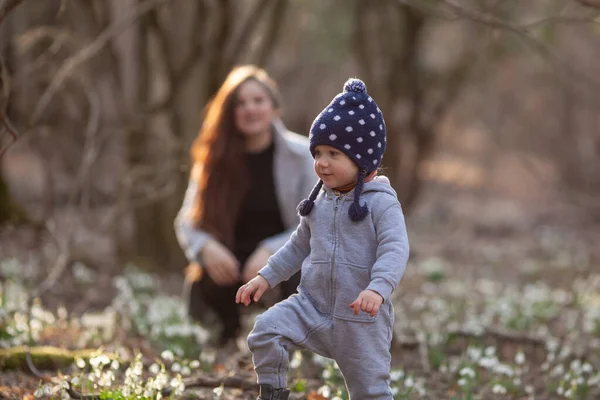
[[248, 174]]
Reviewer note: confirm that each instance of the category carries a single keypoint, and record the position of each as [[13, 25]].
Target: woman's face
[[254, 109]]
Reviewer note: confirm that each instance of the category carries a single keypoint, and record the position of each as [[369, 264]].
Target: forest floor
[[499, 300]]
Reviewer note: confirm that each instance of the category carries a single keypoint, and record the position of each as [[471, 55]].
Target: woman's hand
[[367, 301], [255, 262], [256, 286], [220, 263]]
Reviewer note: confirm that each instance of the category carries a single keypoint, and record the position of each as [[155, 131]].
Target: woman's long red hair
[[219, 157]]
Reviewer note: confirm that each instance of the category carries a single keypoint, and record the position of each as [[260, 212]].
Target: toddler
[[352, 248]]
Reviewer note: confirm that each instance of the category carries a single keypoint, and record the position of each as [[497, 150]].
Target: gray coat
[[294, 178], [340, 258]]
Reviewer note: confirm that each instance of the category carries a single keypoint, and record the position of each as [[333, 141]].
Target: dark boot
[[268, 393]]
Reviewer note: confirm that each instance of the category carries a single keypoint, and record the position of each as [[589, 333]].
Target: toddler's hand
[[368, 301], [256, 286]]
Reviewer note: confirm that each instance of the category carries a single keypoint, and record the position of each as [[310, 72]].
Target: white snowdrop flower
[[154, 369], [218, 391], [320, 360], [167, 355], [395, 391], [326, 374], [176, 367], [568, 393], [466, 371], [520, 358], [545, 366], [343, 102], [474, 353], [359, 139], [504, 370], [396, 375], [575, 365], [322, 126], [361, 106], [324, 391], [185, 371], [487, 362], [490, 351], [587, 368], [337, 118], [557, 370], [296, 360], [560, 390], [361, 121], [372, 133], [195, 364], [351, 112], [115, 365], [517, 381], [498, 389], [347, 146], [462, 382], [552, 345], [80, 362], [370, 151], [332, 137], [529, 389], [348, 129], [409, 382], [564, 353], [358, 156]]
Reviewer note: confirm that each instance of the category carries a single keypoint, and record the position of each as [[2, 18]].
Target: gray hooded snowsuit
[[339, 259]]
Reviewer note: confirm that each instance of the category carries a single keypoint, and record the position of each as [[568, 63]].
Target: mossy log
[[42, 357], [9, 211]]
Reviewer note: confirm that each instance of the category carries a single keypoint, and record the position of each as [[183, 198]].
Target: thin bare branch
[[456, 11], [7, 6], [360, 40], [249, 27], [222, 34], [590, 3], [89, 52], [276, 22]]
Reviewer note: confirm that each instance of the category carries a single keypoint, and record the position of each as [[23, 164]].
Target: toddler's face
[[334, 168]]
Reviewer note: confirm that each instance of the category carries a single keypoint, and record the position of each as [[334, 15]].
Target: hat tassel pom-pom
[[356, 212], [306, 205]]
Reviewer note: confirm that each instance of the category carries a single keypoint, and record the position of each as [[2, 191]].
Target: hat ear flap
[[306, 205], [356, 212]]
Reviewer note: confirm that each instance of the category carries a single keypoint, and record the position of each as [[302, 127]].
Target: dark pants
[[221, 300]]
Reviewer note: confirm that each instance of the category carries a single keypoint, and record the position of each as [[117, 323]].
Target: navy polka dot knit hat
[[353, 124]]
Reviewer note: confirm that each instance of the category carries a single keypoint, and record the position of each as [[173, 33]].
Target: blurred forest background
[[105, 98], [492, 109]]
